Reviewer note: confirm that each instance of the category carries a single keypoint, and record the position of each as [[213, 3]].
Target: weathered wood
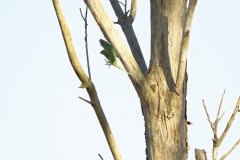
[[200, 154]]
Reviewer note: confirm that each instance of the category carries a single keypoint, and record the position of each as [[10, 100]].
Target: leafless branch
[[86, 40], [217, 141], [217, 117], [126, 24], [182, 63], [85, 80], [85, 100], [235, 145], [184, 47], [221, 116], [114, 38], [100, 156], [125, 6], [229, 122], [190, 11], [209, 120], [220, 105], [133, 11], [200, 154]]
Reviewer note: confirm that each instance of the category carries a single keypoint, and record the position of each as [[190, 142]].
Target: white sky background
[[41, 116]]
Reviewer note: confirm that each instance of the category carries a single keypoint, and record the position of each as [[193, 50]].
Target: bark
[[200, 154], [86, 82], [163, 108], [162, 91]]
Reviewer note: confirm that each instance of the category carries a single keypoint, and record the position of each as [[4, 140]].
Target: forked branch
[[217, 141], [126, 23], [86, 82], [111, 34], [230, 121]]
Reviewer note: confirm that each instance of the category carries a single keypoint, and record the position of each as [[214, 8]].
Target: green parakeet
[[110, 53]]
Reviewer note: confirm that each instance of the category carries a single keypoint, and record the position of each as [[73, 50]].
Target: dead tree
[[161, 87]]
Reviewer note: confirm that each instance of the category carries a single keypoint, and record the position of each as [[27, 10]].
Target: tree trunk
[[164, 109], [162, 87]]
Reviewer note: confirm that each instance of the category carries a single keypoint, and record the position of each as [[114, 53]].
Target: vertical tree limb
[[86, 82], [133, 11], [219, 109], [184, 48], [86, 40], [126, 23]]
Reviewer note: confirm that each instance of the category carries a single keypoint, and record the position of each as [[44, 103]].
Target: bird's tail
[[118, 66], [123, 70]]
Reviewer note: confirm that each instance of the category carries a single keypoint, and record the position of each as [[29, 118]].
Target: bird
[[110, 53]]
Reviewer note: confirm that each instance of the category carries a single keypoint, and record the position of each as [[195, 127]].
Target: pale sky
[[41, 116]]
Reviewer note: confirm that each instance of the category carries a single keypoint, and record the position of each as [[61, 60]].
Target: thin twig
[[85, 100], [219, 108], [86, 40], [81, 14], [235, 145], [221, 116], [121, 3], [125, 7], [229, 122], [209, 120], [217, 141], [100, 156]]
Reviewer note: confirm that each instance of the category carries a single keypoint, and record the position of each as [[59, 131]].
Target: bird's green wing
[[110, 51], [108, 56]]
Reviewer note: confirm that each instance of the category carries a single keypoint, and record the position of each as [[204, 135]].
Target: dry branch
[[184, 46], [100, 156], [86, 40], [234, 146], [111, 34], [190, 11], [208, 117], [133, 11], [85, 100], [230, 122], [126, 24], [219, 109], [217, 141], [86, 82], [200, 154]]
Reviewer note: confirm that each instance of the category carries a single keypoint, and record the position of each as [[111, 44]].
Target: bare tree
[[161, 87], [218, 140]]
